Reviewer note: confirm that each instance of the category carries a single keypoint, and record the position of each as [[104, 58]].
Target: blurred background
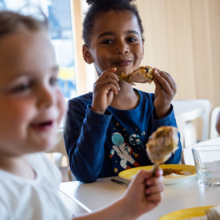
[[61, 34], [181, 38]]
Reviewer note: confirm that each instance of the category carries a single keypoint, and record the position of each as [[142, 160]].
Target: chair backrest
[[59, 150], [205, 117], [60, 146], [202, 110], [181, 125], [190, 135], [187, 156], [71, 177], [214, 114]]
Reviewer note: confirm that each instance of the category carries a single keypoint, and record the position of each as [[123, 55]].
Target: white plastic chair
[[181, 125], [187, 156], [205, 116], [71, 177], [59, 155], [214, 114], [190, 136]]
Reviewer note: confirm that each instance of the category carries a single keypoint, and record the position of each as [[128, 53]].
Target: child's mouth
[[43, 125], [123, 63]]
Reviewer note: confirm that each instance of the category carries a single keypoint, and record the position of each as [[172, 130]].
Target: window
[[59, 16]]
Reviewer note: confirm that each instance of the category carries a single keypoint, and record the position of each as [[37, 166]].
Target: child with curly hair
[[107, 129]]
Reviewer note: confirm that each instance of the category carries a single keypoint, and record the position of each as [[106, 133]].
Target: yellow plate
[[190, 172], [186, 213]]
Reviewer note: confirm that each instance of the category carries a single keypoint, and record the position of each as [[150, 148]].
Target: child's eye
[[131, 39], [21, 88], [107, 42], [53, 81]]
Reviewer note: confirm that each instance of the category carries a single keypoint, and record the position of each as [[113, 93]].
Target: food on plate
[[161, 144], [143, 74], [170, 172]]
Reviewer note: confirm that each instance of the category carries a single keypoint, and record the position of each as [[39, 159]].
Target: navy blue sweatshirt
[[104, 145]]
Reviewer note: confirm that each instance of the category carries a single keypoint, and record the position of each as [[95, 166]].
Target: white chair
[[214, 114], [190, 136], [71, 177], [187, 156], [181, 125], [205, 116], [59, 156], [191, 109]]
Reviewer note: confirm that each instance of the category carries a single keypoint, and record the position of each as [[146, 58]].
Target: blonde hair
[[11, 22]]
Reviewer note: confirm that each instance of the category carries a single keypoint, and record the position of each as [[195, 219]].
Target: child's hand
[[144, 193], [165, 91], [103, 90]]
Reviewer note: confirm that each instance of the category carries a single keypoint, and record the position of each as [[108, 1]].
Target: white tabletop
[[184, 195], [189, 109], [214, 141], [188, 194]]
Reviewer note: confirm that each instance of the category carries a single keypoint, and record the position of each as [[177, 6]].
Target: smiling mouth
[[43, 126], [123, 63]]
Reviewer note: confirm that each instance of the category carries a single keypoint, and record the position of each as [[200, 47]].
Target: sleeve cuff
[[168, 120], [98, 117]]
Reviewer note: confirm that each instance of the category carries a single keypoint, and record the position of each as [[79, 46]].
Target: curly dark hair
[[11, 22], [100, 6]]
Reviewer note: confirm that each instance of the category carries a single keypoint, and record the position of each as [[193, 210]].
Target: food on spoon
[[162, 143], [143, 74]]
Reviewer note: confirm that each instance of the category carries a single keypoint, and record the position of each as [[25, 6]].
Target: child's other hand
[[165, 91], [104, 90], [144, 193]]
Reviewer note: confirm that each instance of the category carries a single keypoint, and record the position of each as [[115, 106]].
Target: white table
[[215, 141], [95, 195], [81, 197], [187, 152]]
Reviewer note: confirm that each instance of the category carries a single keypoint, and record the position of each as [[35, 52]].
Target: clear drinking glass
[[207, 162]]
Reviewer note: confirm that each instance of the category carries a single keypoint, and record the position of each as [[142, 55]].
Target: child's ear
[[86, 54]]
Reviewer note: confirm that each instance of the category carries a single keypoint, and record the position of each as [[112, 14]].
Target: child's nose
[[45, 97], [122, 48]]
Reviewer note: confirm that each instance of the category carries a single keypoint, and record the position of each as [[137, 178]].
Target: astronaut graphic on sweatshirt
[[123, 150]]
